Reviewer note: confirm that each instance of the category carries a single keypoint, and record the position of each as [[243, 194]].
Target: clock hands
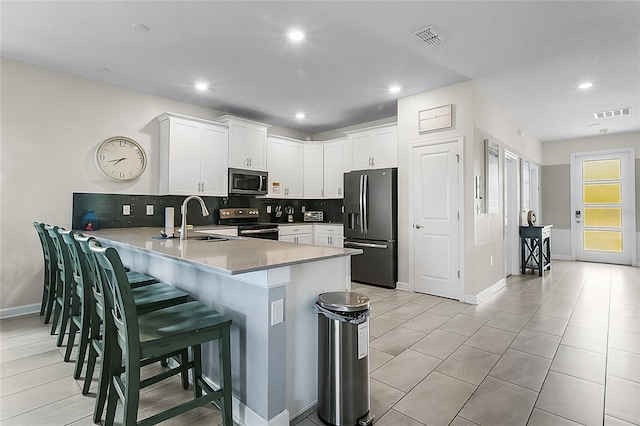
[[117, 161]]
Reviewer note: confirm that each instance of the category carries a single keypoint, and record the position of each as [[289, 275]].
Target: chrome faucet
[[183, 210]]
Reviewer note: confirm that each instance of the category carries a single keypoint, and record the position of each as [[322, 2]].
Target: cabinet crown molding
[[232, 118], [168, 115], [366, 129]]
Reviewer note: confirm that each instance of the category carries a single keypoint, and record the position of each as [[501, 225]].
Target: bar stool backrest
[[114, 280], [62, 258], [70, 242], [48, 249], [88, 263]]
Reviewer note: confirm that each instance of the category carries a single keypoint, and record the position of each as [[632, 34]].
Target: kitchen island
[[274, 362]]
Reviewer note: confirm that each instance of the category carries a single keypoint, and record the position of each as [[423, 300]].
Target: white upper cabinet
[[247, 143], [193, 156], [313, 170], [285, 162], [336, 163], [374, 147]]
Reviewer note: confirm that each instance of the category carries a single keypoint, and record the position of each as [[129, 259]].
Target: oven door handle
[[258, 231], [365, 245]]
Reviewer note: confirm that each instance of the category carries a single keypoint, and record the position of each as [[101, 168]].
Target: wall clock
[[121, 159]]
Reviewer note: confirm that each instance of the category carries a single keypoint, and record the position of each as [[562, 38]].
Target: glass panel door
[[601, 189]]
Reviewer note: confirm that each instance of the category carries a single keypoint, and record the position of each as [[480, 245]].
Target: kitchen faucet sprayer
[[183, 210]]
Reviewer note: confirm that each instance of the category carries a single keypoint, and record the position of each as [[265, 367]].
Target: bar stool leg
[[224, 345], [132, 388]]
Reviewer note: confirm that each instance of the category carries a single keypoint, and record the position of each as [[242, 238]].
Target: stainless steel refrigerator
[[370, 224]]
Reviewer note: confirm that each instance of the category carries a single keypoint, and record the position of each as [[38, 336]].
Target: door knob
[[418, 226]]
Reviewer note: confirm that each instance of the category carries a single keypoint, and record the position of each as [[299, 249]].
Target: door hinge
[[458, 158], [458, 215], [458, 274]]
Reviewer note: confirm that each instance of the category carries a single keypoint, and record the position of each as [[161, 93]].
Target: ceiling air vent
[[429, 35], [612, 113]]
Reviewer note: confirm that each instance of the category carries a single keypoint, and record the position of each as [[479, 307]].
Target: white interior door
[[435, 220], [603, 200]]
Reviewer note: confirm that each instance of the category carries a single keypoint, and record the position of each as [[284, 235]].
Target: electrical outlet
[[149, 209], [268, 209], [304, 209], [126, 210], [277, 311]]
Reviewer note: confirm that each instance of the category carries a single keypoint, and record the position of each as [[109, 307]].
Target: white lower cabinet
[[328, 235], [301, 234]]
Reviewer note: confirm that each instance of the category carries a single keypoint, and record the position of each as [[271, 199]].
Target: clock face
[[121, 159]]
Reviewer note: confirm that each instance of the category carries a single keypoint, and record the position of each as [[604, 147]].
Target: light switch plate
[[126, 210]]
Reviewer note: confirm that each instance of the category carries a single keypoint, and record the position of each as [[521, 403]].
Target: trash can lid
[[344, 301]]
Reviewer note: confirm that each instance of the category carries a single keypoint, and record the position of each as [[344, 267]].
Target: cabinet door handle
[[202, 186], [372, 161]]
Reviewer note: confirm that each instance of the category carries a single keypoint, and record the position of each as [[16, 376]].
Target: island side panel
[[308, 280], [257, 349]]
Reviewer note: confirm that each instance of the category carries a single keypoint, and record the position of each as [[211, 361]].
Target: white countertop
[[235, 256]]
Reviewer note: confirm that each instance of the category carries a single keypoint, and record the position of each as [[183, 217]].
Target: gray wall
[[555, 189]]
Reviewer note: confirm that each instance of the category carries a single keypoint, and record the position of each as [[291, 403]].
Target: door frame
[[631, 152], [459, 140], [513, 189]]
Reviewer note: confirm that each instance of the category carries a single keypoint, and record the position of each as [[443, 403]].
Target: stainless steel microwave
[[248, 182]]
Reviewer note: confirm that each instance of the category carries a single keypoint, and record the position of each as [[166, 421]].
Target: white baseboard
[[19, 311], [474, 300], [245, 416], [403, 286], [560, 257]]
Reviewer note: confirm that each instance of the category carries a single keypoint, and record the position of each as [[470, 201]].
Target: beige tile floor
[[558, 350]]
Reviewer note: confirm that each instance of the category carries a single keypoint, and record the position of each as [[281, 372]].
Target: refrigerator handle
[[365, 208], [361, 204]]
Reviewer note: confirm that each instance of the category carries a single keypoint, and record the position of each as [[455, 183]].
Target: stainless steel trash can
[[343, 359]]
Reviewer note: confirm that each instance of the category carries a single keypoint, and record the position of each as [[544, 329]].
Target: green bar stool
[[63, 285], [49, 272], [146, 298], [142, 337]]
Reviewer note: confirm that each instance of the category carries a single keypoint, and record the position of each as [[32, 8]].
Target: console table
[[535, 248]]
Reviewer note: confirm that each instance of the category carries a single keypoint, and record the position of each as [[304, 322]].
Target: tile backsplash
[[108, 209]]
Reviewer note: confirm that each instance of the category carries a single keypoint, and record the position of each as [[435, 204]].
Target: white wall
[[51, 125], [559, 152], [476, 116]]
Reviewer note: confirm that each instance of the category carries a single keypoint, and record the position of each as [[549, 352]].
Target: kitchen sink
[[210, 238]]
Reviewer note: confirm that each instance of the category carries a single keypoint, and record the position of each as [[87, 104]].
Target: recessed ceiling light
[[594, 124], [202, 86], [585, 85], [104, 70], [140, 27], [295, 35], [394, 89], [603, 130], [300, 115]]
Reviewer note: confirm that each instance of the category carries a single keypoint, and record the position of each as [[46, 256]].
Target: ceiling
[[528, 55]]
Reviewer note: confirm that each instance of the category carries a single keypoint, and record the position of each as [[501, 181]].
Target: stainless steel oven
[[246, 219], [266, 232]]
